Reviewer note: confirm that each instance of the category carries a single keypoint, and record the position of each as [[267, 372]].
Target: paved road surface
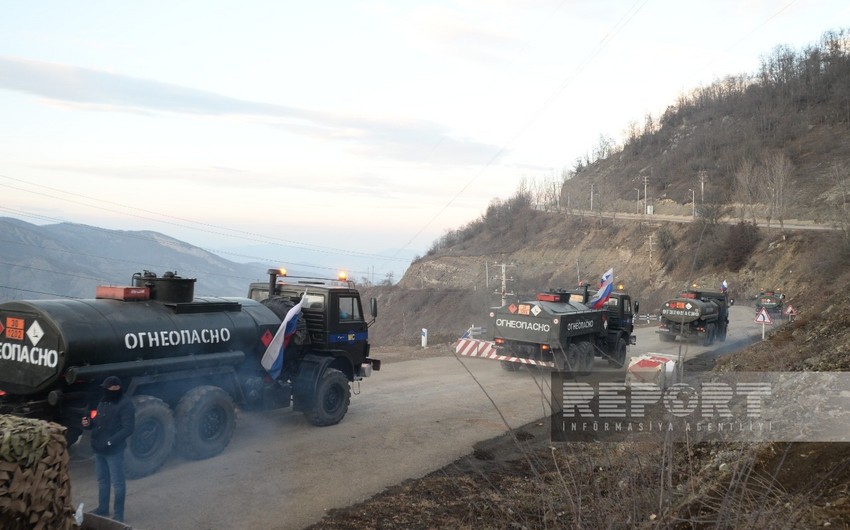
[[410, 418]]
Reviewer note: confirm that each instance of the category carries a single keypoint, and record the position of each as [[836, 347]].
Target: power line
[[206, 227], [37, 292], [624, 20]]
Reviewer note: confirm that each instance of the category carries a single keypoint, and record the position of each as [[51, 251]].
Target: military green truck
[[695, 315], [559, 329], [187, 362], [771, 300]]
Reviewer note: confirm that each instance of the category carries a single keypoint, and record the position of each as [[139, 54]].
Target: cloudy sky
[[347, 128]]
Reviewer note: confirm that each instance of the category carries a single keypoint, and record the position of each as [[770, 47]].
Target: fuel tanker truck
[[770, 300], [187, 362], [697, 315], [559, 329]]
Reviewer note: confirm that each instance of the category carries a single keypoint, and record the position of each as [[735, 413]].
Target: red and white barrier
[[486, 349]]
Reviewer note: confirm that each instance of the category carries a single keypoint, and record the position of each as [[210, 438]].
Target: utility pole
[[702, 176], [504, 292], [591, 197], [638, 199], [693, 203], [645, 201]]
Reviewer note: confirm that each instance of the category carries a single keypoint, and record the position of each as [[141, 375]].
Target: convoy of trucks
[[186, 361]]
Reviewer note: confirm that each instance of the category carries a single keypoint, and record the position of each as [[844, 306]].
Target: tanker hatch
[[170, 288]]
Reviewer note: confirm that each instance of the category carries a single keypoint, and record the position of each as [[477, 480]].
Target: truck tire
[[708, 339], [509, 366], [206, 419], [586, 358], [281, 305], [618, 358], [569, 360], [721, 334], [153, 439], [333, 396]]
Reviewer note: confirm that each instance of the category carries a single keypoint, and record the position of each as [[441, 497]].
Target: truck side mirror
[[731, 301], [637, 307], [373, 307]]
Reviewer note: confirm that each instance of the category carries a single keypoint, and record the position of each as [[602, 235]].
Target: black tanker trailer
[[702, 315], [559, 329], [187, 363]]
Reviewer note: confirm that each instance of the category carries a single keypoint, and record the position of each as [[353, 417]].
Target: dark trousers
[[110, 469]]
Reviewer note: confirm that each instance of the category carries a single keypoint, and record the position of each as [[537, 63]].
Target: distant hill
[[70, 260]]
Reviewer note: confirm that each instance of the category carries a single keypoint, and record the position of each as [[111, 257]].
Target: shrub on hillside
[[740, 244]]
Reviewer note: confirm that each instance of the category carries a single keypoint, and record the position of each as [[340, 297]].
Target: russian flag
[[273, 358], [606, 285]]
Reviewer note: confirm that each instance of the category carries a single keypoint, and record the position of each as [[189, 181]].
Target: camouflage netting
[[35, 487]]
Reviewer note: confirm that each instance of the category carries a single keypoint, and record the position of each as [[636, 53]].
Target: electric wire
[[624, 20], [204, 227]]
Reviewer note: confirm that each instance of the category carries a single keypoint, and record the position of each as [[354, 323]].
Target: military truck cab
[[333, 314], [620, 312]]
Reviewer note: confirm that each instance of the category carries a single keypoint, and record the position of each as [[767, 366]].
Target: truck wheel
[[206, 419], [586, 359], [509, 366], [569, 360], [721, 335], [153, 439], [618, 358], [709, 335], [332, 398], [280, 305]]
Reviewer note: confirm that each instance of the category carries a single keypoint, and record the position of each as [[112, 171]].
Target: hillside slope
[[449, 291]]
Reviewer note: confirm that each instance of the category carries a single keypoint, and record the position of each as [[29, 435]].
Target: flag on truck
[[724, 286], [273, 357], [606, 285]]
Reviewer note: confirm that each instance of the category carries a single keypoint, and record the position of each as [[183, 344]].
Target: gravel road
[[411, 418]]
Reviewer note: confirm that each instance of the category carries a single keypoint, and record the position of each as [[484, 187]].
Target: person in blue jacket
[[111, 425]]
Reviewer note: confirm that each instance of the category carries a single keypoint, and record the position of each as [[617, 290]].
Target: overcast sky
[[349, 127]]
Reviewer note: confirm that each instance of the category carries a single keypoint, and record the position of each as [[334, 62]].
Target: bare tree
[[747, 186], [840, 175], [778, 168]]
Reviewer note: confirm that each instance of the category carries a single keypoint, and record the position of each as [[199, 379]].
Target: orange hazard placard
[[15, 328]]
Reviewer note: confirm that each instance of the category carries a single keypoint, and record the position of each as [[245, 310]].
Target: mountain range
[[70, 260]]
